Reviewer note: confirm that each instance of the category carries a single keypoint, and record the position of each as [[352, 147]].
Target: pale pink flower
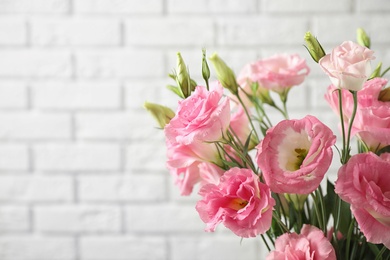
[[203, 116], [372, 115], [277, 73], [295, 155], [240, 201], [348, 65], [310, 244], [210, 173], [364, 182]]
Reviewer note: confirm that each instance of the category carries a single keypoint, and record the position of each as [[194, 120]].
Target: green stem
[[342, 124], [355, 105], [321, 199], [247, 114], [379, 256], [320, 221]]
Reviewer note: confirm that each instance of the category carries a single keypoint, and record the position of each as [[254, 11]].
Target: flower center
[[293, 150], [237, 204]]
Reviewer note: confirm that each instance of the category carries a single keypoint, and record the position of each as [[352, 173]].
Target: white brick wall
[[82, 168]]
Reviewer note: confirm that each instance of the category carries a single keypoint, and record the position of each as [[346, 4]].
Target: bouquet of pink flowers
[[263, 179]]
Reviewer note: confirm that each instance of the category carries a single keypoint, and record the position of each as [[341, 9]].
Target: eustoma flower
[[295, 155], [348, 65], [310, 244], [201, 119], [240, 201], [372, 121], [364, 182], [277, 73]]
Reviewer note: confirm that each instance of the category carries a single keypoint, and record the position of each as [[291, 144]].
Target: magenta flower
[[240, 201], [364, 182], [295, 155], [310, 244]]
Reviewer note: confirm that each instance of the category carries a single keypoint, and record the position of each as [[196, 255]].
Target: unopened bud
[[225, 74], [205, 67], [362, 38], [298, 200], [377, 71], [183, 79], [314, 47], [162, 114]]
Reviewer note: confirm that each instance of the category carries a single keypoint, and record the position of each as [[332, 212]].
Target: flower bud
[[161, 113], [225, 74], [298, 200], [205, 67], [362, 38], [377, 71], [183, 79], [314, 47]]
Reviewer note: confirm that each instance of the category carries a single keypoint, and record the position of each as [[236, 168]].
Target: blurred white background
[[82, 166]]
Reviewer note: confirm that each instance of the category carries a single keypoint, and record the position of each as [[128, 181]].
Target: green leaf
[[330, 198], [175, 90]]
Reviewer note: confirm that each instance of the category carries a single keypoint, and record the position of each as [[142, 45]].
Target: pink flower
[[295, 155], [372, 114], [310, 244], [364, 182], [240, 201], [348, 66], [203, 116], [277, 73]]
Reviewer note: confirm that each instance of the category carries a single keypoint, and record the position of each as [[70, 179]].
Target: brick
[[36, 189], [115, 126], [36, 248], [211, 7], [77, 219], [188, 31], [14, 157], [214, 246], [14, 219], [31, 125], [119, 7], [373, 6], [123, 248], [77, 157], [264, 30], [306, 6], [35, 63], [146, 156], [376, 27], [13, 32], [35, 6], [119, 64], [138, 91], [13, 95], [171, 218], [75, 32], [128, 188], [76, 95]]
